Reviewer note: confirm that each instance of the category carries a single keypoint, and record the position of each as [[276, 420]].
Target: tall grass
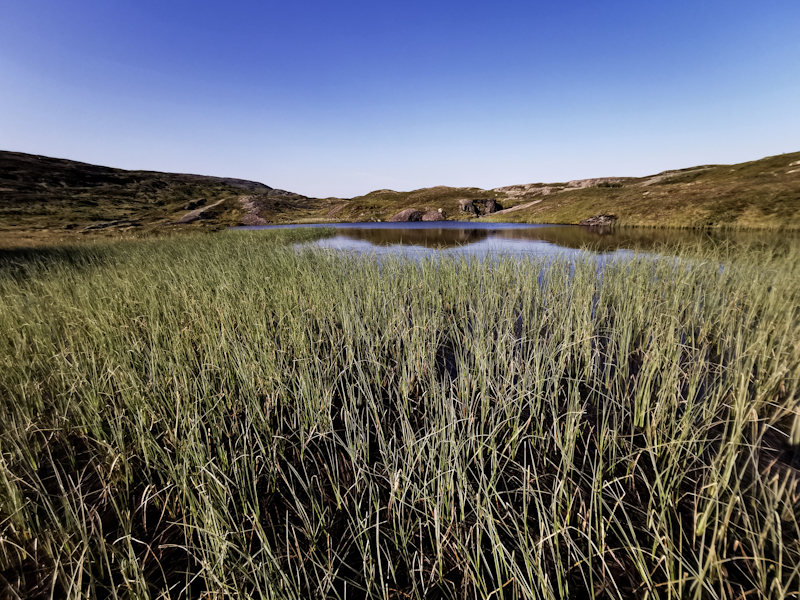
[[230, 417]]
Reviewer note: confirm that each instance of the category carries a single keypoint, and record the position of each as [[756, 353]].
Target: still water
[[511, 239]]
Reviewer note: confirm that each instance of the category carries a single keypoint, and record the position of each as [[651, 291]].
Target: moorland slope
[[760, 194], [50, 199], [45, 199]]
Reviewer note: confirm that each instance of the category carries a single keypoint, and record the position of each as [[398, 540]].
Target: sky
[[341, 98]]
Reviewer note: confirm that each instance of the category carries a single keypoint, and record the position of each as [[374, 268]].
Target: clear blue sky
[[339, 98]]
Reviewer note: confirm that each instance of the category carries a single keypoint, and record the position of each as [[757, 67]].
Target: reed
[[231, 416]]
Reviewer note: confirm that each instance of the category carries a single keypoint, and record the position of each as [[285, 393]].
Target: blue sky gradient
[[341, 98]]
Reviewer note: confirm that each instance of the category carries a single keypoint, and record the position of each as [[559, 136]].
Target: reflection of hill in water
[[596, 239], [429, 238], [601, 239], [604, 239]]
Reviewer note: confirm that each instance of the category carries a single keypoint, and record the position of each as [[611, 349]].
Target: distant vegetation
[[225, 417], [45, 200]]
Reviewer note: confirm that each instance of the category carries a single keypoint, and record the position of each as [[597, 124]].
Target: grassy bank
[[226, 416]]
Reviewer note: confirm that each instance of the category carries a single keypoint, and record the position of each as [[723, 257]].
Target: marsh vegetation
[[228, 417]]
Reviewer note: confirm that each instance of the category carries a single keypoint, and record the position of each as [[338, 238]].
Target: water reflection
[[607, 239], [425, 237], [466, 239], [476, 238]]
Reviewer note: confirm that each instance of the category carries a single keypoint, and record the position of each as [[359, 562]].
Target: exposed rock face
[[253, 207], [434, 215], [514, 192], [667, 175], [466, 205], [409, 214], [480, 206], [579, 184], [491, 206], [599, 221], [529, 190], [250, 219]]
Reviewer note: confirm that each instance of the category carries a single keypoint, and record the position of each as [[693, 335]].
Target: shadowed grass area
[[228, 416]]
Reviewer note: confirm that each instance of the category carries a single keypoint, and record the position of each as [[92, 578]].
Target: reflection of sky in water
[[450, 238], [488, 247], [479, 239]]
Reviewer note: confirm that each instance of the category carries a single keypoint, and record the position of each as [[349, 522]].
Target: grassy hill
[[46, 199], [43, 200], [759, 194]]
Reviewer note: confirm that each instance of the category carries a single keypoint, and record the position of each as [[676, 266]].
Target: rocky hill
[[45, 200], [761, 194]]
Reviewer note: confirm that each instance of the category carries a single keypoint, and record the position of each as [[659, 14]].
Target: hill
[[45, 200], [50, 199], [761, 194]]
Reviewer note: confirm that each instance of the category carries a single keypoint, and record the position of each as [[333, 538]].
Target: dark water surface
[[513, 239]]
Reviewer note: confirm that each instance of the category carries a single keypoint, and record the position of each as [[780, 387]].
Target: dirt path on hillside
[[197, 214], [505, 211], [335, 210]]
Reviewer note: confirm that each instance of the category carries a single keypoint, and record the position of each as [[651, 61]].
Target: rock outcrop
[[252, 207], [599, 221], [491, 206], [515, 192], [434, 215], [479, 206], [579, 184], [409, 214], [466, 206]]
